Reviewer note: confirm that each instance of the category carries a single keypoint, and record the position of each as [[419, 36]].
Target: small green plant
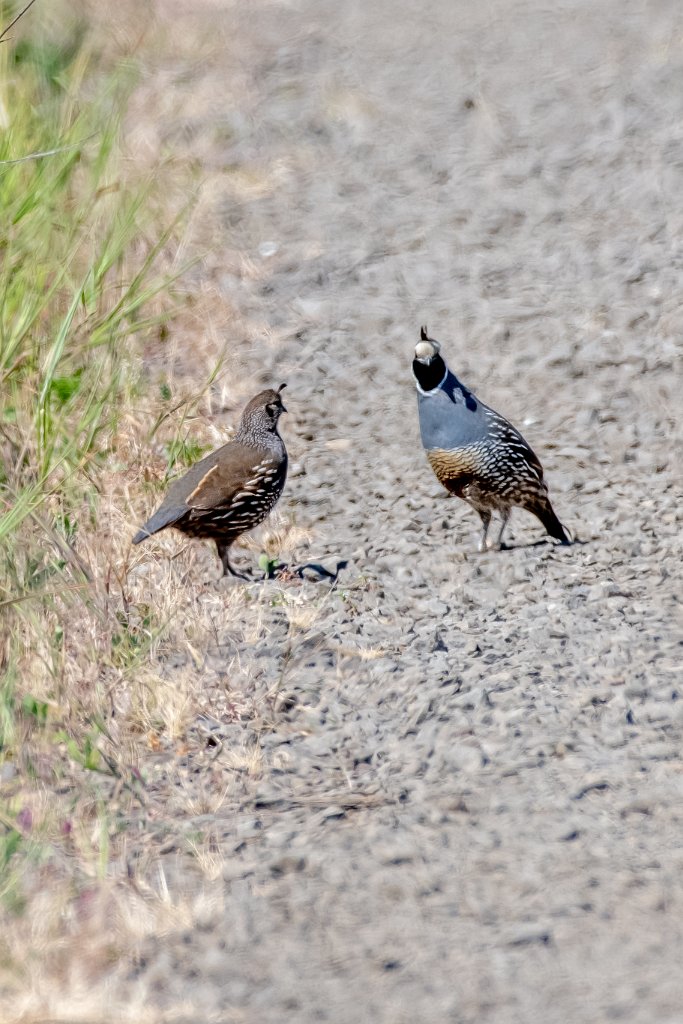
[[12, 844], [36, 709], [83, 751], [269, 566], [185, 451], [132, 640], [10, 841]]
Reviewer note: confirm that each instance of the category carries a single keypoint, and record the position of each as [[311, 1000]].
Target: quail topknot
[[475, 453], [233, 489]]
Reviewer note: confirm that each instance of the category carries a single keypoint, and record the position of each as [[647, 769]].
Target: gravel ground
[[470, 794]]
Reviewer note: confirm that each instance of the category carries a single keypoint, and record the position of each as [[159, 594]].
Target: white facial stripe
[[437, 388]]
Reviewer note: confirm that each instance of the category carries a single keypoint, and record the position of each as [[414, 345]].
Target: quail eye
[[271, 410]]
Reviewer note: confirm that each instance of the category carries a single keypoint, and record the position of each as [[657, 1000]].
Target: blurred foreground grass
[[82, 279], [107, 354]]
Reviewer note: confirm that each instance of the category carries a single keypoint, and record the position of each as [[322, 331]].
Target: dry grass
[[113, 384]]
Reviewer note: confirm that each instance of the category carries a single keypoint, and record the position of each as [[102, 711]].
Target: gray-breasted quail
[[233, 489], [475, 453]]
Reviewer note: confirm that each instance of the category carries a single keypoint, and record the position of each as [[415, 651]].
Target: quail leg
[[486, 520], [503, 524], [223, 550]]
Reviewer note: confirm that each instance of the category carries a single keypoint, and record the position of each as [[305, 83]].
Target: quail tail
[[545, 512], [164, 517]]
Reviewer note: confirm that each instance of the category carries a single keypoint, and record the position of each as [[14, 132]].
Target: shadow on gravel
[[313, 571], [544, 542]]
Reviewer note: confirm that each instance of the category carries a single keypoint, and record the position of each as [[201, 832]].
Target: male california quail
[[234, 488], [475, 453]]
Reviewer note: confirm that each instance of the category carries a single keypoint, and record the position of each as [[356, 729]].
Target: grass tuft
[[104, 648], [82, 289]]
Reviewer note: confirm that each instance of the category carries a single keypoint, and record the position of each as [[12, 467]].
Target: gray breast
[[450, 416]]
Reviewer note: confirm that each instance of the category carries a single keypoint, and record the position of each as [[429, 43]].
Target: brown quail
[[475, 453], [233, 489]]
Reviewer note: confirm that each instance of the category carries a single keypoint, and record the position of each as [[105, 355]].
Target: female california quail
[[475, 453], [233, 489]]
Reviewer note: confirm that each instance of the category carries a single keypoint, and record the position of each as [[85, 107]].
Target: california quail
[[233, 489], [475, 453]]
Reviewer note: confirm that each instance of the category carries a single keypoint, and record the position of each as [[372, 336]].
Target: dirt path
[[469, 801]]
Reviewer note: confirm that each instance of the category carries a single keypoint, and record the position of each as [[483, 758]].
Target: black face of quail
[[429, 368]]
